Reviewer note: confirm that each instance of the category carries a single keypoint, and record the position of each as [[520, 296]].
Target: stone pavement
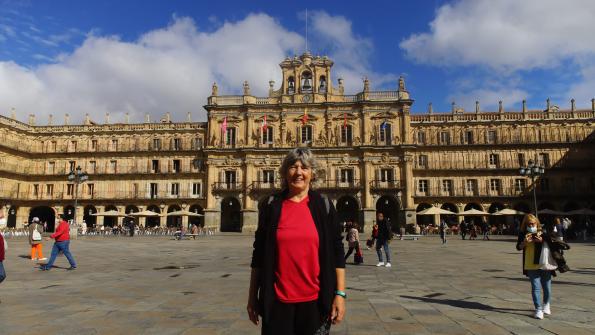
[[155, 285]]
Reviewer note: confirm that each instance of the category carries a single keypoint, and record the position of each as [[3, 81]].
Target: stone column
[[22, 214], [408, 190], [100, 220]]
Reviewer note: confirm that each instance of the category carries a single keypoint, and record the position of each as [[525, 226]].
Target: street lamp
[[77, 176], [532, 170]]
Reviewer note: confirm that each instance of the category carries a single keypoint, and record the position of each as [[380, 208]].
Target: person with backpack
[[35, 240], [353, 243], [297, 281], [385, 234]]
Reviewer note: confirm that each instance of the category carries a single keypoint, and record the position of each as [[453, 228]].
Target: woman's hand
[[338, 310], [252, 309]]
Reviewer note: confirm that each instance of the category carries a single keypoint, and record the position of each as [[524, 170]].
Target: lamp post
[[76, 176], [532, 170]]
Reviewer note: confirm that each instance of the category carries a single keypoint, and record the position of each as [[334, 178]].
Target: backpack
[[36, 236]]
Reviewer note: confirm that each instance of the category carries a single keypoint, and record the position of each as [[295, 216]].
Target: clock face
[[306, 98]]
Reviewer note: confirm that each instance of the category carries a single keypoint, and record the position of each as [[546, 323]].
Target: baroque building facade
[[373, 155]]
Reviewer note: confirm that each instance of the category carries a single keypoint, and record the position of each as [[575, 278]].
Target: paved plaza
[[156, 285]]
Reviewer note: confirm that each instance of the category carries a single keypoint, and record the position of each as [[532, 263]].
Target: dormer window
[[322, 85], [306, 82], [290, 85]]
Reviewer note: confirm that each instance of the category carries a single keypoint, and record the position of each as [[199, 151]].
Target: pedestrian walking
[[473, 231], [486, 229], [533, 241], [463, 229], [385, 235], [353, 242], [443, 227], [36, 240], [62, 243], [297, 283]]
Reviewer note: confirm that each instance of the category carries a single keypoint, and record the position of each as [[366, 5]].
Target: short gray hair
[[305, 156]]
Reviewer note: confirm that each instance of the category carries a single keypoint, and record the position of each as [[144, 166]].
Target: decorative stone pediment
[[270, 118], [311, 117], [385, 115], [345, 115]]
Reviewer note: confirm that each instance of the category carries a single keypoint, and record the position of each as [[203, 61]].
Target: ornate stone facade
[[373, 155]]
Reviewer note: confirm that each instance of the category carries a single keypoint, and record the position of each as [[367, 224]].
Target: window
[[267, 135], [447, 186], [93, 145], [346, 175], [421, 137], [51, 167], [544, 160], [135, 190], [70, 189], [268, 176], [467, 137], [155, 166], [154, 190], [386, 175], [306, 134], [346, 134], [230, 136], [520, 185], [176, 166], [49, 189], [322, 84], [495, 185], [471, 186], [230, 179], [422, 161], [113, 166], [492, 137], [290, 85], [92, 166], [196, 143], [90, 189], [177, 144], [36, 190], [156, 144], [422, 186], [386, 133], [175, 189], [114, 145], [197, 189], [71, 165], [544, 184], [521, 159], [444, 137], [72, 146], [53, 146], [494, 160]]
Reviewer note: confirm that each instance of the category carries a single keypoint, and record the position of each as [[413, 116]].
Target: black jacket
[[384, 230], [556, 248], [331, 254]]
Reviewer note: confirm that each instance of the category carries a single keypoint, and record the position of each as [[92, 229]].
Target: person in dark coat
[[383, 239], [297, 283]]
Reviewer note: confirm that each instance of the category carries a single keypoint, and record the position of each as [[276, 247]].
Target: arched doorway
[[174, 221], [153, 221], [129, 210], [11, 221], [450, 219], [423, 220], [88, 217], [68, 213], [231, 215], [46, 215], [110, 221], [197, 220], [389, 206], [348, 210]]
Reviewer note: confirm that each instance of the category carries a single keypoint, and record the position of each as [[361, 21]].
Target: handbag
[[546, 261], [36, 236]]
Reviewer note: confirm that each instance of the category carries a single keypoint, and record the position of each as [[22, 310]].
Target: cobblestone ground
[[155, 285]]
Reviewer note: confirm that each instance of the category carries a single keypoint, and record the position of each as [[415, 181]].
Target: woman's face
[[298, 177]]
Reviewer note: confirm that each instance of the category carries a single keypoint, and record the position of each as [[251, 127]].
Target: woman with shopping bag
[[538, 263]]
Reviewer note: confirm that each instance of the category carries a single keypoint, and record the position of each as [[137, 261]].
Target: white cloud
[[170, 69], [510, 37]]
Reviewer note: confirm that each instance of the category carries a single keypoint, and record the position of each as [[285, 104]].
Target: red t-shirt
[[297, 254], [62, 232]]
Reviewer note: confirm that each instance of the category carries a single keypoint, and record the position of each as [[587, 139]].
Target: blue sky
[[152, 57]]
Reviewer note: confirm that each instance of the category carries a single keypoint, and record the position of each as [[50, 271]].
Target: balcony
[[227, 187], [338, 184], [264, 186], [386, 185], [461, 192]]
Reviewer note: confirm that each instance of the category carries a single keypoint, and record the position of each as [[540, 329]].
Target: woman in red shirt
[[297, 283]]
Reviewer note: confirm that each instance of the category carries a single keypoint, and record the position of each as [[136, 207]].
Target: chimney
[[50, 120], [430, 108], [477, 106], [127, 118], [500, 108], [524, 106], [31, 119], [106, 117], [572, 105], [66, 119], [147, 118]]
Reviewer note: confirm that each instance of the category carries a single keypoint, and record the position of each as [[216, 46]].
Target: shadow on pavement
[[468, 305]]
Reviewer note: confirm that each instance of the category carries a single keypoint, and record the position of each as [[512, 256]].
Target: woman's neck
[[297, 195]]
